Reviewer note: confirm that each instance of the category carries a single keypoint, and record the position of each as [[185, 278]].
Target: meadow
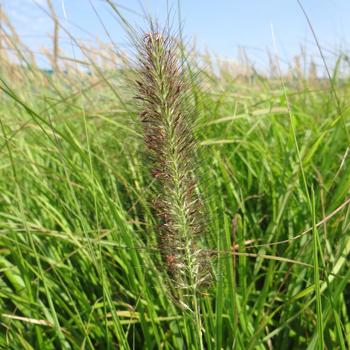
[[80, 266]]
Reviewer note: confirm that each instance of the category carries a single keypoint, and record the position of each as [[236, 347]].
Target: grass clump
[[79, 241]]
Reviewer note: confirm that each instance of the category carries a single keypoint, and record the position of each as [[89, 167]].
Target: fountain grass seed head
[[167, 117]]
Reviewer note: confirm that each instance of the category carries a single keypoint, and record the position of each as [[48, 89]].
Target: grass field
[[80, 267]]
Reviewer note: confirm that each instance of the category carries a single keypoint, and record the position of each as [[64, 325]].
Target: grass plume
[[167, 119]]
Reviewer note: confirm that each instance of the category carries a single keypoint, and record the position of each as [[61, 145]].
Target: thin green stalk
[[319, 320]]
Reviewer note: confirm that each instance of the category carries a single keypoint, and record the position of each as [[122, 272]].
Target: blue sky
[[222, 26]]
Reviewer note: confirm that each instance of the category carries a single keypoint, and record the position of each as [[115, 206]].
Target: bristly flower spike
[[167, 117]]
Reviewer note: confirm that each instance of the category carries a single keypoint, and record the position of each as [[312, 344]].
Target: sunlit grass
[[80, 265]]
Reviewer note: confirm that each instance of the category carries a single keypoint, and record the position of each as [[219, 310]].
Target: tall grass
[[80, 265]]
